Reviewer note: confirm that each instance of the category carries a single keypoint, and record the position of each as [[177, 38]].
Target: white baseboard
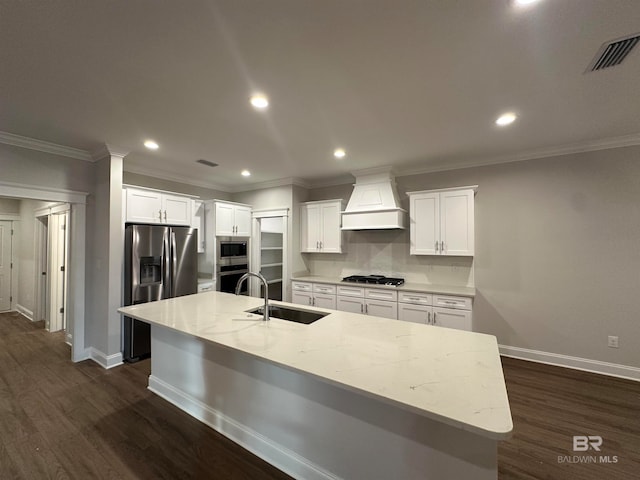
[[261, 446], [24, 311], [577, 363], [105, 361]]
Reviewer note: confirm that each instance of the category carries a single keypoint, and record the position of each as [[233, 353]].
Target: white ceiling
[[417, 84]]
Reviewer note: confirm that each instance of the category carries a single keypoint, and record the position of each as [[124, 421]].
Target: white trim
[[576, 363], [583, 147], [44, 146], [449, 189], [271, 184], [108, 151], [138, 187], [10, 217], [281, 212], [18, 190], [24, 311], [261, 446], [105, 361]]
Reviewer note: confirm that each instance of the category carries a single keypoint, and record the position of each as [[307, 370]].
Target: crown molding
[[271, 184], [109, 150], [44, 146], [569, 149], [176, 178]]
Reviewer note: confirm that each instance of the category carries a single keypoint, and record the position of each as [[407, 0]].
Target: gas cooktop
[[374, 279]]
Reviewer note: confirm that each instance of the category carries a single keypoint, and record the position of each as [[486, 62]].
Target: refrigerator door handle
[[166, 268], [174, 263]]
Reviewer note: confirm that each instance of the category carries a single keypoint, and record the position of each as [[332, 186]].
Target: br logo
[[582, 443]]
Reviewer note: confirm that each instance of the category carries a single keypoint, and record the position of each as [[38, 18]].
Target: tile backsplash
[[386, 252]]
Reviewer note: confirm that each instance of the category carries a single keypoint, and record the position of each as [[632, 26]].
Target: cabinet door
[[224, 220], [450, 318], [301, 298], [457, 223], [176, 210], [324, 301], [414, 313], [424, 220], [143, 206], [350, 304], [309, 228], [242, 216], [331, 235], [381, 308]]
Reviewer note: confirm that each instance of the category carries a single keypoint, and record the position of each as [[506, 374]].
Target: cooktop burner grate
[[374, 280]]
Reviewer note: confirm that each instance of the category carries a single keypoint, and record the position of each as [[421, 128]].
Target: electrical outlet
[[613, 341]]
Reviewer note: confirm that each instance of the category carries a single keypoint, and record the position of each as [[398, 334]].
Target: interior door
[[58, 269], [5, 266]]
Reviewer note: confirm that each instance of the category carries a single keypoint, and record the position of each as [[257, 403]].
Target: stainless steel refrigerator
[[160, 262]]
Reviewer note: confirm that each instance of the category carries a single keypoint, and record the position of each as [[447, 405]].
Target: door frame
[[40, 257], [13, 219], [77, 252], [58, 213], [255, 247]]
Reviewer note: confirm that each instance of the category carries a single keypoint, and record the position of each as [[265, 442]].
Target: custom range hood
[[374, 202]]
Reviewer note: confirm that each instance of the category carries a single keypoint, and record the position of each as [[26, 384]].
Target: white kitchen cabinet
[[350, 304], [381, 308], [198, 221], [320, 227], [313, 294], [154, 206], [452, 318], [232, 219], [446, 311], [415, 313], [442, 222]]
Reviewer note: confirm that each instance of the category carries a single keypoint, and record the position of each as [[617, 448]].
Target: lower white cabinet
[[350, 304], [313, 294], [425, 308], [381, 308], [370, 301]]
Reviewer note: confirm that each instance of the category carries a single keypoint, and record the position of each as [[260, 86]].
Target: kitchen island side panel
[[308, 428]]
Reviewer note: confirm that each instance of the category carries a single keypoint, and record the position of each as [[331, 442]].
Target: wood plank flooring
[[78, 421]]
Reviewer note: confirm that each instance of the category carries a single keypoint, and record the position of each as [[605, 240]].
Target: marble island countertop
[[409, 286], [448, 375]]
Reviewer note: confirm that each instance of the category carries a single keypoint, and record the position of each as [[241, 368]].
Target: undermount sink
[[290, 314]]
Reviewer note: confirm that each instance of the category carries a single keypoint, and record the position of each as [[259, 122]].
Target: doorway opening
[[270, 252]]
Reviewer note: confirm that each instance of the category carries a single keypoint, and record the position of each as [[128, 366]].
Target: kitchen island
[[349, 396]]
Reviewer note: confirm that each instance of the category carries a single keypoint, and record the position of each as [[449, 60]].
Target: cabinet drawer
[[446, 301], [388, 295], [324, 288], [416, 298], [302, 286], [350, 291]]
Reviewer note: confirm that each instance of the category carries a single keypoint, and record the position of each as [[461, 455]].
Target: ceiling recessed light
[[151, 145], [339, 153], [245, 173], [506, 119], [522, 3], [259, 101]]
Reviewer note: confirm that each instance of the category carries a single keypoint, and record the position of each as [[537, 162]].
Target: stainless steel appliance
[[160, 262], [232, 261], [374, 280]]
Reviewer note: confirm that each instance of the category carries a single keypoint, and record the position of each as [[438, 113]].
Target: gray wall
[[557, 256], [8, 205], [160, 184]]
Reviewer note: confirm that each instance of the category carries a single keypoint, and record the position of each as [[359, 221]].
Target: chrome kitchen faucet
[[266, 290]]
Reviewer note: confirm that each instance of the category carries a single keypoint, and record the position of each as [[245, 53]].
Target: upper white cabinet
[[232, 219], [442, 222], [154, 206], [320, 227]]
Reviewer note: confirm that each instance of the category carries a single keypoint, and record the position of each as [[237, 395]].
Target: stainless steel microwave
[[232, 248]]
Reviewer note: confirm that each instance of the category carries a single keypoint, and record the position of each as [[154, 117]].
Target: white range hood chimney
[[374, 203]]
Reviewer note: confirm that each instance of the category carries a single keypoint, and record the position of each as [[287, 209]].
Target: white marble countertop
[[445, 374], [413, 287]]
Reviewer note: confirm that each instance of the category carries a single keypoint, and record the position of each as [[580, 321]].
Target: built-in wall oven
[[232, 261]]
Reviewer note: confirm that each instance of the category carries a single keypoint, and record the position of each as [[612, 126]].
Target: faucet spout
[[265, 317]]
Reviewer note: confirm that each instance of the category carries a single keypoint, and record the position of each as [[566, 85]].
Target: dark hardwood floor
[[78, 421]]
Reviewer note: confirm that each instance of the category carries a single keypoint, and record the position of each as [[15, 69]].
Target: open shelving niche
[[271, 250]]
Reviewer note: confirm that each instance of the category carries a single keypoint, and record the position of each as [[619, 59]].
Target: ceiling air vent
[[207, 163], [613, 53]]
